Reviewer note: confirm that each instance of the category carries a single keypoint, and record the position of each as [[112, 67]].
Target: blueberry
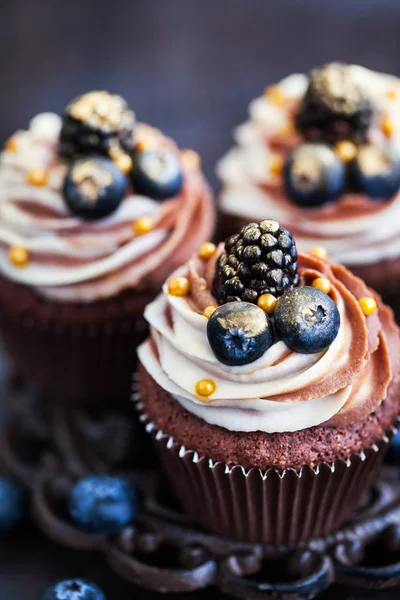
[[12, 503], [307, 320], [157, 173], [94, 187], [313, 175], [239, 333], [103, 503], [74, 589], [393, 455], [375, 171]]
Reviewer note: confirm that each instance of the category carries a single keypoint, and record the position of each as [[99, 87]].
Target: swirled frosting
[[355, 229], [72, 260], [282, 390]]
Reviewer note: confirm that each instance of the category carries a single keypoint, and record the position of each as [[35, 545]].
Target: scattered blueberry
[[157, 173], [94, 187], [239, 333], [74, 589], [307, 320], [12, 503], [375, 171], [103, 503], [314, 175], [393, 455]]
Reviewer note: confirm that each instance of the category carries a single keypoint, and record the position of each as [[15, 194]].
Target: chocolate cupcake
[[320, 153], [95, 212], [270, 384]]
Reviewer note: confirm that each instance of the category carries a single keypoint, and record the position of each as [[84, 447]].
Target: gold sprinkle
[[392, 94], [287, 129], [346, 150], [11, 145], [275, 95], [267, 302], [323, 284], [123, 162], [178, 286], [18, 256], [208, 311], [387, 127], [205, 387], [320, 252], [368, 305], [37, 177], [142, 145], [191, 159], [207, 250], [143, 225], [276, 164]]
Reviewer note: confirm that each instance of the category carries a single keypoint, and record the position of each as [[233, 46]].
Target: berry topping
[[97, 122], [157, 173], [307, 320], [103, 503], [375, 171], [261, 259], [334, 107], [12, 503], [74, 589], [239, 333], [313, 175], [94, 187]]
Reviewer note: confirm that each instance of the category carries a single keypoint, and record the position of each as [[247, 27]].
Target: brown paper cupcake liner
[[266, 506]]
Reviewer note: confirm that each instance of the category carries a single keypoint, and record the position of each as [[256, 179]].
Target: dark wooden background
[[190, 67]]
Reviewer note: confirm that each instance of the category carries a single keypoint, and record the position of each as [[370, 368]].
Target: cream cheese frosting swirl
[[282, 390], [72, 260], [355, 229]]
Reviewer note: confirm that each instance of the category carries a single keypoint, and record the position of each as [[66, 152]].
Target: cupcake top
[[256, 337], [92, 203], [320, 153]]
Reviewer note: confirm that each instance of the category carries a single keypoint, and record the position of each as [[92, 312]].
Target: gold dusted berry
[[275, 94], [143, 225], [11, 144], [191, 159], [267, 302], [323, 284], [368, 305], [346, 150], [276, 164], [18, 256], [37, 177], [387, 126], [320, 252], [123, 162], [392, 94], [205, 387], [208, 311], [207, 250], [178, 286]]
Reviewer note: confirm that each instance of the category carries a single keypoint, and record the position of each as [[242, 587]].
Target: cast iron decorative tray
[[49, 449]]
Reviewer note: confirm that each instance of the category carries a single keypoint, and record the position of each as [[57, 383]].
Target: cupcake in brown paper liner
[[270, 385], [96, 211]]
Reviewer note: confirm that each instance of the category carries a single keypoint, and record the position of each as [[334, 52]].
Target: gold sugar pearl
[[368, 305], [37, 177], [123, 162], [276, 164], [143, 225], [205, 387], [191, 159], [323, 284], [206, 250], [18, 256], [387, 127], [392, 94], [208, 311], [267, 302], [178, 286], [275, 95], [346, 150], [11, 145], [320, 252]]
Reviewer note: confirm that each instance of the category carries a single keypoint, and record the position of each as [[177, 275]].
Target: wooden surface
[[190, 67]]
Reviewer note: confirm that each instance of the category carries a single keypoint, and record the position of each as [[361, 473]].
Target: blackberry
[[97, 123], [334, 107], [261, 259]]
